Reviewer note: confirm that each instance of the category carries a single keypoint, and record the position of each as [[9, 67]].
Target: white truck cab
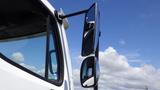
[[34, 53]]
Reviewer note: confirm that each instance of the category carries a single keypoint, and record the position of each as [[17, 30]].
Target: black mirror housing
[[89, 75], [90, 46], [90, 70], [91, 31]]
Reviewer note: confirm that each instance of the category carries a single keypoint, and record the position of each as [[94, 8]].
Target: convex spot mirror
[[91, 31], [89, 72]]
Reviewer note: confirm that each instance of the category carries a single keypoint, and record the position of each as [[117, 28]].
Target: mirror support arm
[[96, 87], [73, 14]]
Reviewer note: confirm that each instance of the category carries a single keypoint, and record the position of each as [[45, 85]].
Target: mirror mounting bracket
[[73, 14], [60, 17]]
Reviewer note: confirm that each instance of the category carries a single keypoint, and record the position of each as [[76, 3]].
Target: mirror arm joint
[[73, 14]]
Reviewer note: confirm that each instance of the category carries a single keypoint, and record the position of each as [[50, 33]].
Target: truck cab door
[[38, 64], [29, 21]]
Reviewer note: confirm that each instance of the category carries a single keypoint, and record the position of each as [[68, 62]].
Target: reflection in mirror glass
[[90, 16], [88, 76], [89, 82], [22, 51], [90, 70], [89, 32]]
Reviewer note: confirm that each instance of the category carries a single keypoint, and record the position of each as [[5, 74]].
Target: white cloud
[[41, 72], [18, 57], [30, 67], [118, 74]]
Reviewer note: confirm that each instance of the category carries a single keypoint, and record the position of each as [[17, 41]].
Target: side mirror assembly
[[89, 72], [90, 49], [90, 46], [91, 32]]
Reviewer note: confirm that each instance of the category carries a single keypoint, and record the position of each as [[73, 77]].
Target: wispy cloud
[[146, 15], [122, 42]]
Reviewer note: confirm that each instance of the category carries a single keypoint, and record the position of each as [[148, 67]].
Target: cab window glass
[[55, 64], [28, 52], [53, 57]]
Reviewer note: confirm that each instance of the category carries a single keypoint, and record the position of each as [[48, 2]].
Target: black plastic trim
[[94, 71], [21, 67], [59, 54]]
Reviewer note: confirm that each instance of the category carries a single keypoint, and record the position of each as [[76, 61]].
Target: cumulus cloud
[[118, 74], [18, 57]]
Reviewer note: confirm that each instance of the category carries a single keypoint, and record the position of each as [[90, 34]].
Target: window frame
[[58, 47], [58, 50]]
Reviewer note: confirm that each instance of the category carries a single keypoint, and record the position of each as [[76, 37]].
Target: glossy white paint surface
[[13, 78]]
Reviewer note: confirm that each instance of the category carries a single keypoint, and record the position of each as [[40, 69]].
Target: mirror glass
[[91, 31], [89, 67]]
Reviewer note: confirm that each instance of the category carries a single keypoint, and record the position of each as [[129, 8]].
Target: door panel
[[13, 78]]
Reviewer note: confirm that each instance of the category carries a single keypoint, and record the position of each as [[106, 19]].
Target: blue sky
[[25, 50], [130, 26]]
